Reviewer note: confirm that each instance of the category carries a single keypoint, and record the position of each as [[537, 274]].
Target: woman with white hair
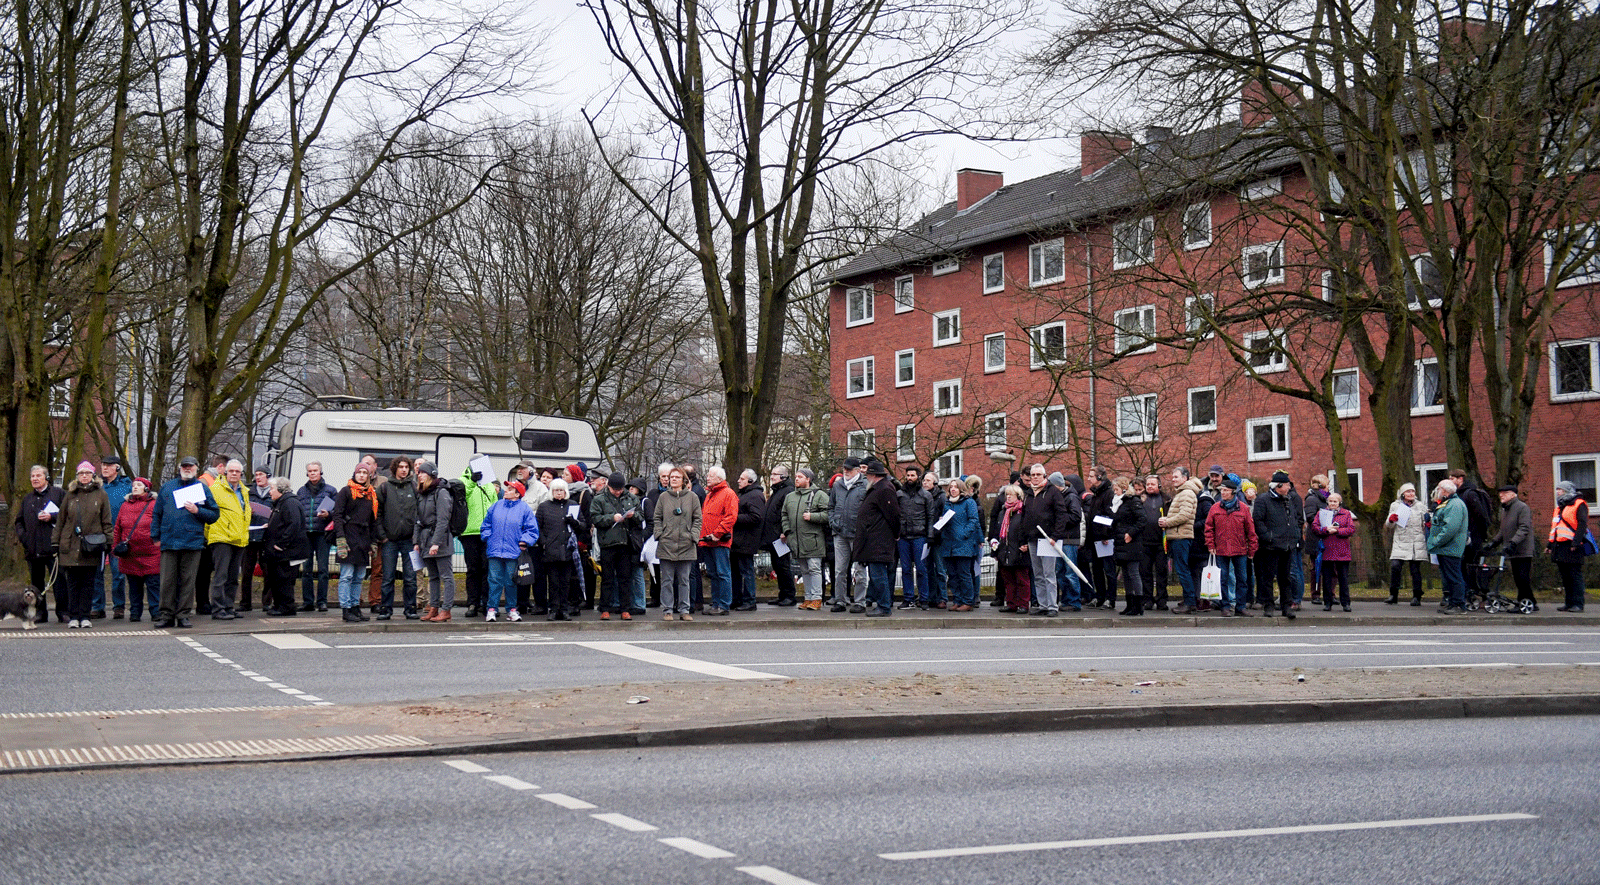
[[1407, 544], [284, 543], [556, 544], [1569, 535]]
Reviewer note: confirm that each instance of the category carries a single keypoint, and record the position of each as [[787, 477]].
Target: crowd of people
[[556, 541]]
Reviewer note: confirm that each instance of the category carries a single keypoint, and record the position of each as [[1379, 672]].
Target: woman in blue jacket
[[509, 527], [960, 544]]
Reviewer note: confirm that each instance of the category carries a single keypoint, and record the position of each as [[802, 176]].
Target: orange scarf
[[359, 491]]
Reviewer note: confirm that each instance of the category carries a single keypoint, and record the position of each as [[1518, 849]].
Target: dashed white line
[[565, 801], [288, 640], [774, 875], [625, 822], [464, 765], [696, 847], [257, 677], [506, 780]]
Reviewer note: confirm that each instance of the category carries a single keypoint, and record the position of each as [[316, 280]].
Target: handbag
[[92, 544], [524, 576], [124, 548], [1211, 581]]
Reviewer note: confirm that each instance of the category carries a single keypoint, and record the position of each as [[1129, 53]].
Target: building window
[[1197, 313], [1347, 393], [1260, 190], [905, 442], [1197, 226], [948, 466], [1049, 428], [1047, 262], [61, 399], [1266, 351], [947, 327], [858, 306], [1048, 345], [1136, 326], [1580, 256], [905, 297], [905, 368], [1267, 438], [1581, 471], [1327, 286], [1574, 368], [994, 352], [994, 432], [946, 265], [1262, 265], [994, 273], [1350, 488], [859, 377], [1429, 476], [1427, 397], [1412, 174], [861, 444], [1423, 279], [1136, 418], [1133, 242], [947, 397], [1202, 409]]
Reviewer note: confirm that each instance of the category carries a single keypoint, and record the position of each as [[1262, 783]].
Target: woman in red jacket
[[141, 563], [1231, 538], [1335, 533]]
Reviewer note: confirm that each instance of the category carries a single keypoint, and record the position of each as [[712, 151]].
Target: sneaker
[[513, 616], [907, 604], [685, 617], [73, 624], [490, 615], [669, 616]]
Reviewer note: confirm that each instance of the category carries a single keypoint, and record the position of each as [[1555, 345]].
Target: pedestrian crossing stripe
[[13, 760]]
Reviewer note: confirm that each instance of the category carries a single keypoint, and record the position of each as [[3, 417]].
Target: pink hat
[[84, 466]]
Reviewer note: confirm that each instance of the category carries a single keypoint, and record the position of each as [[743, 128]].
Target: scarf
[[359, 491], [1229, 505], [1008, 510]]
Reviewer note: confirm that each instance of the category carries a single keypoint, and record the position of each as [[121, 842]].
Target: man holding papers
[[178, 523], [1043, 507]]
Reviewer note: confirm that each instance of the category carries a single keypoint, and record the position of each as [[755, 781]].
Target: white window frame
[[1036, 357], [1593, 346], [898, 365], [1414, 282], [1261, 189], [1037, 261], [1556, 475], [949, 465], [1189, 400], [1274, 274], [60, 405], [1125, 338], [998, 259], [868, 367], [991, 441], [861, 443], [941, 390], [902, 451], [1419, 370], [1193, 323], [1353, 412], [865, 316], [1252, 454], [989, 365], [1589, 271], [1148, 429], [1424, 487], [1133, 242], [952, 320], [905, 293], [1327, 286], [1194, 210], [1361, 483], [945, 265], [1036, 418], [1412, 167], [1278, 362]]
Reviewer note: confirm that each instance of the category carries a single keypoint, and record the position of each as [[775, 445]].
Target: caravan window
[[534, 440]]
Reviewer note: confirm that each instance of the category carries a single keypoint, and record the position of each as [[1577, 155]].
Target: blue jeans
[[502, 583], [913, 570], [744, 571], [315, 573], [1455, 584], [1297, 573], [1316, 566], [1179, 548], [880, 586], [719, 578], [401, 551], [1068, 588], [118, 584], [1235, 581], [938, 591], [963, 582], [350, 578], [641, 587]]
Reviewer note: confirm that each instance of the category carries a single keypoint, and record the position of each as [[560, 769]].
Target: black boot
[[411, 613], [353, 616], [385, 613], [1394, 599]]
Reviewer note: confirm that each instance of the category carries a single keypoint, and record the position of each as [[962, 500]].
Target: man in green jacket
[[481, 495], [614, 511], [805, 530]]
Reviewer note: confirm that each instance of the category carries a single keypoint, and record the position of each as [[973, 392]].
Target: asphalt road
[[61, 672], [1487, 801]]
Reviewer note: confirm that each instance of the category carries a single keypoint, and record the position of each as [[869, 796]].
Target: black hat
[[876, 468], [111, 459], [615, 480], [852, 462], [1509, 488], [189, 461], [1279, 477]]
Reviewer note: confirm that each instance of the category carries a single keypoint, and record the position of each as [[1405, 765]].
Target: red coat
[[717, 516], [1231, 534], [133, 526]]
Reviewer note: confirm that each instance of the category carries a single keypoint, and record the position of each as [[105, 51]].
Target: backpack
[[458, 505]]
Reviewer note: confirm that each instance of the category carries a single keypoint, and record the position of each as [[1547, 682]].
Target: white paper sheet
[[1105, 549], [1402, 516], [483, 467], [924, 553], [1044, 549], [782, 549], [195, 492], [1325, 516], [573, 511], [416, 560], [326, 504], [1102, 520], [1433, 558], [51, 508], [647, 554], [945, 519]]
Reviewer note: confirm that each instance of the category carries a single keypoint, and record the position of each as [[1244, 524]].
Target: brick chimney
[[1255, 107], [1097, 150], [1465, 38], [973, 185]]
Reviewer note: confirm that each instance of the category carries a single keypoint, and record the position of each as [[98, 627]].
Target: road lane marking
[[468, 767], [696, 847], [267, 681], [774, 875], [565, 801], [678, 662], [506, 780], [98, 714], [624, 821], [288, 640], [1201, 657], [1212, 834], [56, 758]]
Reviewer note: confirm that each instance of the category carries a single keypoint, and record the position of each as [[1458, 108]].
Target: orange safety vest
[[1564, 524]]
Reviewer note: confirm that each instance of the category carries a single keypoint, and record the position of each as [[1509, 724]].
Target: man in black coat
[[772, 527], [1278, 531], [1153, 567], [1044, 508], [877, 534], [1480, 513], [35, 524], [747, 540]]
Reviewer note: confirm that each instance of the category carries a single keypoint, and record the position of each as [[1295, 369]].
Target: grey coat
[[433, 520], [1516, 529], [844, 505]]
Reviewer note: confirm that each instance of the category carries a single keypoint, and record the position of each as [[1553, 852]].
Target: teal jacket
[[1448, 537]]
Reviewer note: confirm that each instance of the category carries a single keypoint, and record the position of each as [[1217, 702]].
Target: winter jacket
[[1314, 502], [919, 510], [1045, 508], [877, 525], [133, 526], [1203, 502], [397, 509], [604, 507], [1231, 532], [805, 523], [480, 495], [38, 538], [749, 519], [354, 521], [1097, 503], [285, 536], [432, 528], [1408, 542], [232, 526], [1009, 552], [1128, 521], [507, 527], [557, 530], [772, 516], [844, 505], [962, 535], [310, 496], [677, 526], [1516, 529], [1180, 518], [717, 514], [117, 491], [1072, 532], [85, 510], [1336, 541], [1480, 511], [1155, 508], [174, 527], [1450, 532], [1277, 527], [1570, 552]]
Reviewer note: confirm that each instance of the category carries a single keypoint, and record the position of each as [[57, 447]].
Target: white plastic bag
[[1211, 581]]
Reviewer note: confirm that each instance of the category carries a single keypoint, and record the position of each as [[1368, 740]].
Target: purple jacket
[[1336, 541]]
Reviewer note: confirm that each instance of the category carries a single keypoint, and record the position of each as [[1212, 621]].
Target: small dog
[[20, 604]]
